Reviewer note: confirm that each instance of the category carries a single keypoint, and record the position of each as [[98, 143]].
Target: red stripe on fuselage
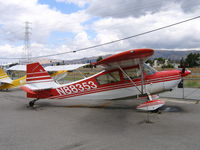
[[115, 87]]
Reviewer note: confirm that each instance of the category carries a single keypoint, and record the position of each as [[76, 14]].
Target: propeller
[[181, 84], [183, 70]]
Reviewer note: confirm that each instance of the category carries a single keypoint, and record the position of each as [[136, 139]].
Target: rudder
[[38, 78]]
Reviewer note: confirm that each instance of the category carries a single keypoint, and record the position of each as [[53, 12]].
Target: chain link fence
[[190, 90]]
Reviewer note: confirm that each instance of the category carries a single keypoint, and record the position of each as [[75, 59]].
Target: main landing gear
[[32, 103], [158, 111]]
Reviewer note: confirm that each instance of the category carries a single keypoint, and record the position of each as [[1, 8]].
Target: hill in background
[[172, 54], [168, 54]]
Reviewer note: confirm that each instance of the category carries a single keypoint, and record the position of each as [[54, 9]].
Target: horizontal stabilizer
[[26, 89]]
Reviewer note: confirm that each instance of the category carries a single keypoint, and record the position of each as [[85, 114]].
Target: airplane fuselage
[[114, 85]]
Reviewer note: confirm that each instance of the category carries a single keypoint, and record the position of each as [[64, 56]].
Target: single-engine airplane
[[125, 75]]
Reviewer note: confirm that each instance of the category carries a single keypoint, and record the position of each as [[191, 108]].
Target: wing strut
[[129, 79], [143, 87], [152, 103], [81, 73]]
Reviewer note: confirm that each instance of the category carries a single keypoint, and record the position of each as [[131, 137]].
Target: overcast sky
[[66, 25]]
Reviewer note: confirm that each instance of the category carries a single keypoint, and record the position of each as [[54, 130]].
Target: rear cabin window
[[108, 78], [132, 73]]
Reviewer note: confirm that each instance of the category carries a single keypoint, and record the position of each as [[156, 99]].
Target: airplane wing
[[126, 59], [50, 68], [64, 67], [60, 71], [4, 78], [59, 75], [18, 68]]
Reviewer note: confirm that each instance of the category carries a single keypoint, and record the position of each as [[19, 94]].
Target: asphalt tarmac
[[99, 125], [186, 93]]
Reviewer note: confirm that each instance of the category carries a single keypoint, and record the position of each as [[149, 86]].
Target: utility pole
[[27, 42]]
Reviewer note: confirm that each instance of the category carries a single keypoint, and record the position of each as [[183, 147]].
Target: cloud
[[80, 3], [8, 51], [180, 36], [118, 19], [136, 8], [43, 20]]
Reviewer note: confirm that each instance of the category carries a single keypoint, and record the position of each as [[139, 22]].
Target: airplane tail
[[4, 78], [38, 80]]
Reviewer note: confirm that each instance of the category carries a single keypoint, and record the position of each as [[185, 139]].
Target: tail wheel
[[32, 103]]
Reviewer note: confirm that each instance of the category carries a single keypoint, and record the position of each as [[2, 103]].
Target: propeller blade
[[180, 85], [183, 70]]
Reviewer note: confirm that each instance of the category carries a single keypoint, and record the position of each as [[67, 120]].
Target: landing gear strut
[[158, 111], [31, 103]]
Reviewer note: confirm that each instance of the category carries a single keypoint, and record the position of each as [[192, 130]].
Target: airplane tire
[[31, 103]]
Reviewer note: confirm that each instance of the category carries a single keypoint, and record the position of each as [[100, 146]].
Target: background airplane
[[7, 83], [59, 72]]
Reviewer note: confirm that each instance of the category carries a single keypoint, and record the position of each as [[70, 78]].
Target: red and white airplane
[[125, 75]]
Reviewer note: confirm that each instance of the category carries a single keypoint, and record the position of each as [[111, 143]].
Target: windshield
[[149, 70]]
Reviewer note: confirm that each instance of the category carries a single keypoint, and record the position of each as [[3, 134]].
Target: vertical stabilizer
[[38, 78]]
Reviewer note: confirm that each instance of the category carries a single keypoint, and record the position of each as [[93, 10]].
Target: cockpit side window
[[149, 70], [108, 78], [132, 73]]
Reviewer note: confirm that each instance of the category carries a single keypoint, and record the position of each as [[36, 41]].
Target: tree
[[99, 58], [149, 61], [168, 66], [160, 60], [192, 60], [89, 64], [182, 62], [58, 63]]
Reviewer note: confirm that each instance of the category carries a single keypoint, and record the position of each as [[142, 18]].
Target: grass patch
[[194, 70], [192, 83]]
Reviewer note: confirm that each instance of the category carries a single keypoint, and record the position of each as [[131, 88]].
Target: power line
[[111, 42]]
